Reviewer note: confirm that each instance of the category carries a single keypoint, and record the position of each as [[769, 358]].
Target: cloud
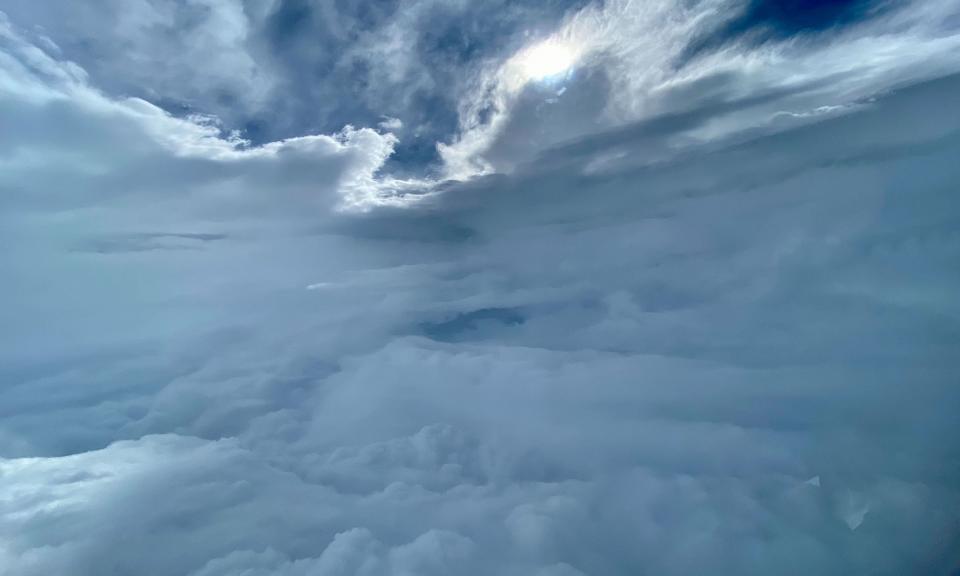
[[635, 65], [389, 123], [55, 113], [617, 355], [180, 51], [151, 241]]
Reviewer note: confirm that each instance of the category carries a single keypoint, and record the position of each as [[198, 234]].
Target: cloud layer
[[689, 306]]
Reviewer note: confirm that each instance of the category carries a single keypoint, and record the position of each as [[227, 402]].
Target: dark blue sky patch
[[411, 155], [764, 20], [789, 17]]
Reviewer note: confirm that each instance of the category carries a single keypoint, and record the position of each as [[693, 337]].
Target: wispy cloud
[[652, 310]]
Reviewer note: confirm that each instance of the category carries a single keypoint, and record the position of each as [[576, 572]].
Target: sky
[[451, 287]]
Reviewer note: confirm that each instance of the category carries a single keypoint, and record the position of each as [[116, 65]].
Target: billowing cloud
[[190, 53], [682, 311], [626, 63]]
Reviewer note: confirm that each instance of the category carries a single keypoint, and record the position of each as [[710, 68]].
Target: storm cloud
[[309, 288]]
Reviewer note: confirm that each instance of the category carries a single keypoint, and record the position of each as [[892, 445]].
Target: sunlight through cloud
[[546, 60]]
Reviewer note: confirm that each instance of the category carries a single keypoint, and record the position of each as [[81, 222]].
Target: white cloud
[[389, 123], [636, 368], [51, 104], [640, 53], [177, 50]]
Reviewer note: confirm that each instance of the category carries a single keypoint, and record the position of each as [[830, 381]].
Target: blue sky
[[423, 287]]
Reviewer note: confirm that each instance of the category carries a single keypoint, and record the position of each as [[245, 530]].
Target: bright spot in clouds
[[547, 59]]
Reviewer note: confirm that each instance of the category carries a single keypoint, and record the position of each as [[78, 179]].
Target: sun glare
[[546, 60]]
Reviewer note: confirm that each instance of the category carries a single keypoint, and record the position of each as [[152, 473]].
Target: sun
[[546, 60]]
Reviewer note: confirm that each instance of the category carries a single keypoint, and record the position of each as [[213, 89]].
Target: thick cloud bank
[[701, 318]]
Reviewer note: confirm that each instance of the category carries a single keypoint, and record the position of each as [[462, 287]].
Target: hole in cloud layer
[[473, 325]]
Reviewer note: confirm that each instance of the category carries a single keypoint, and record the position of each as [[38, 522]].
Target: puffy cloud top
[[530, 288]]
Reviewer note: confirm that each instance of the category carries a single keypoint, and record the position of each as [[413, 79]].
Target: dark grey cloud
[[716, 334], [143, 241]]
